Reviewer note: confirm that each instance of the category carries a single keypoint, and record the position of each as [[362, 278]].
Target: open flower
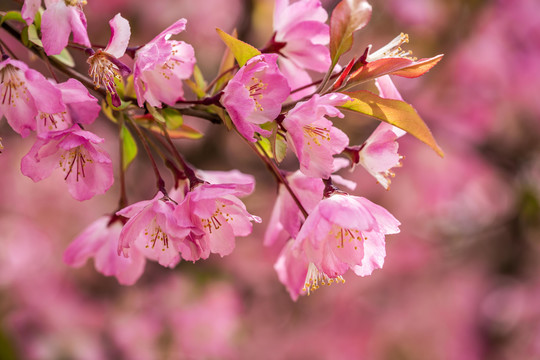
[[219, 217], [343, 232], [154, 230], [77, 107], [105, 65], [286, 219], [379, 153], [312, 137], [161, 65], [301, 37], [88, 169], [23, 92], [60, 19], [255, 94], [100, 241]]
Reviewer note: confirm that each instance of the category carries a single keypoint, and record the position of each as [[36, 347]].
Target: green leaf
[[393, 112], [280, 147], [241, 50], [33, 36], [199, 80], [12, 15], [157, 116], [108, 111], [266, 146], [182, 132], [223, 115], [24, 37], [37, 19], [173, 118], [129, 147], [65, 58], [347, 17], [225, 68]]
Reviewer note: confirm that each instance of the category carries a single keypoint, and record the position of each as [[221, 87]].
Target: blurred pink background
[[461, 281]]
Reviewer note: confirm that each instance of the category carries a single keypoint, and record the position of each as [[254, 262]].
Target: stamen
[[155, 235], [213, 223], [75, 159], [12, 86], [392, 50], [314, 277], [256, 90], [316, 134]]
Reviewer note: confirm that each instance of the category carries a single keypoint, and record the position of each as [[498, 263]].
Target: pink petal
[[55, 28], [120, 34]]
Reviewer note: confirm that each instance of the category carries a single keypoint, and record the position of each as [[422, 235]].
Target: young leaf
[[12, 15], [108, 111], [65, 58], [182, 132], [129, 147], [33, 36], [173, 118], [241, 50], [347, 17], [280, 147], [157, 116], [419, 67], [225, 67], [265, 147], [393, 112], [393, 66]]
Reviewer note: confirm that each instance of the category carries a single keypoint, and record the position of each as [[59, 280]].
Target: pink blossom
[[154, 230], [312, 136], [255, 94], [161, 65], [287, 219], [379, 153], [105, 65], [301, 37], [77, 107], [219, 217], [343, 232], [100, 241], [23, 92], [60, 19], [88, 169], [29, 10]]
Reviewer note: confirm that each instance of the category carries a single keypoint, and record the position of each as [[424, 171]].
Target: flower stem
[[159, 180], [276, 172]]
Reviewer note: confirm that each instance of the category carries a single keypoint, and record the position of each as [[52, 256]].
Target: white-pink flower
[[218, 215], [154, 230], [61, 18], [312, 137], [343, 232], [77, 107], [88, 169], [379, 153], [100, 241], [161, 65], [301, 37], [255, 94], [105, 65], [287, 219], [23, 93]]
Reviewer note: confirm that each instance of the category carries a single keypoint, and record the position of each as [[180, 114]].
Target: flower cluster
[[268, 96]]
